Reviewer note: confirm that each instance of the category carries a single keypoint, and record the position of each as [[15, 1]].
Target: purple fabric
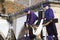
[[33, 18], [51, 28], [26, 10], [50, 38], [45, 4], [49, 14]]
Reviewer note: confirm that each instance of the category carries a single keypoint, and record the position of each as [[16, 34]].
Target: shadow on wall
[[1, 38], [22, 33], [11, 35]]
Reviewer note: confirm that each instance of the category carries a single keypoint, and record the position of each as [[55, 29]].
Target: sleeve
[[33, 19], [51, 14], [26, 19]]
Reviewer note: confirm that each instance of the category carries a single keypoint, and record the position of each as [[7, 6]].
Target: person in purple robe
[[49, 15], [31, 18]]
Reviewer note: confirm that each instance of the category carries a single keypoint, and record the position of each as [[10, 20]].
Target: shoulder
[[50, 9], [32, 13]]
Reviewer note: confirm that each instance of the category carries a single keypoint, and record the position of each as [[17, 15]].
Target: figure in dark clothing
[[51, 28], [31, 18]]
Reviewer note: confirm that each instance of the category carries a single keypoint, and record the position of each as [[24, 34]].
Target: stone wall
[[28, 3], [10, 0]]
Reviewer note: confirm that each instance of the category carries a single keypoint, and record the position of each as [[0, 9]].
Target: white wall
[[19, 25], [4, 27]]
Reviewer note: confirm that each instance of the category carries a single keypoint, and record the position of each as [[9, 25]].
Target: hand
[[47, 23], [50, 20], [27, 25], [44, 18]]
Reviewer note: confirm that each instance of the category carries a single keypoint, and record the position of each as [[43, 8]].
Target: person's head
[[46, 6], [27, 11]]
